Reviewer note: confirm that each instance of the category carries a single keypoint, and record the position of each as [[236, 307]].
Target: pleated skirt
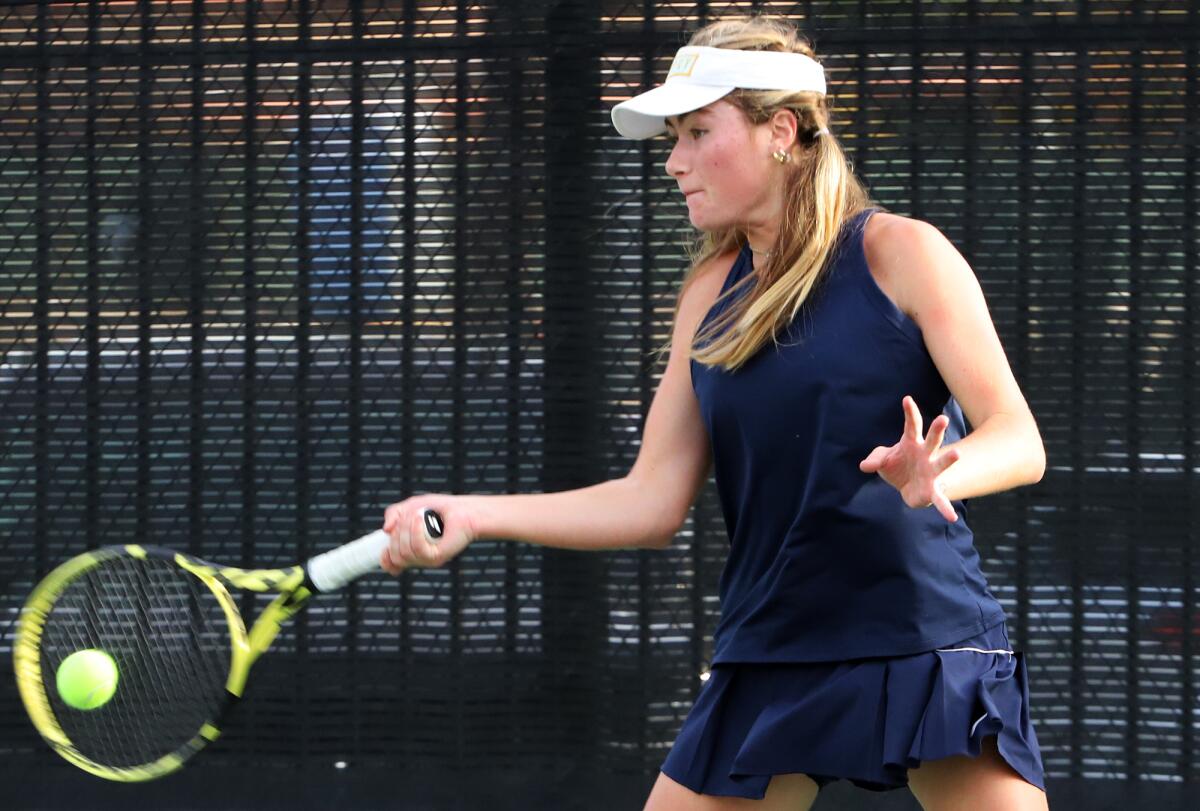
[[865, 720]]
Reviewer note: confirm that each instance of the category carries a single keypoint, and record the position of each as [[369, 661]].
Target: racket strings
[[169, 637]]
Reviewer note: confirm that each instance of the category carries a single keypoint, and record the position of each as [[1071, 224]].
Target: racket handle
[[331, 570]]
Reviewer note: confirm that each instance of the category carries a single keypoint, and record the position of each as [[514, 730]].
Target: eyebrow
[[685, 117]]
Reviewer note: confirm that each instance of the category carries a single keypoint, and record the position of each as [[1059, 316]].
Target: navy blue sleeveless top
[[826, 562]]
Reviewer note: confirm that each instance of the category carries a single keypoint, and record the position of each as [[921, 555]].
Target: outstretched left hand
[[913, 464]]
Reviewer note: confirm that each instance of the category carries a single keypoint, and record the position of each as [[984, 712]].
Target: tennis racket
[[181, 648]]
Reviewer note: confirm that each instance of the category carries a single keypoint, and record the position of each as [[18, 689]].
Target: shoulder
[[907, 255], [888, 235], [703, 285]]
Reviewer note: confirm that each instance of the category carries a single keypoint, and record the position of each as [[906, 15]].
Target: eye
[[696, 133]]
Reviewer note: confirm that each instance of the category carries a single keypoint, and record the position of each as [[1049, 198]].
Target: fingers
[[389, 517], [874, 460], [913, 424], [387, 564], [911, 468], [410, 542], [947, 458], [395, 557], [943, 504], [937, 432], [424, 550]]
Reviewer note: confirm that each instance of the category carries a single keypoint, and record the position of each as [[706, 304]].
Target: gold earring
[[781, 156]]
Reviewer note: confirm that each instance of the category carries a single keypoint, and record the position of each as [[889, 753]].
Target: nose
[[676, 165]]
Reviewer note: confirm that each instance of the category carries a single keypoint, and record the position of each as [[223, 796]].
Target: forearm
[[1004, 452], [616, 514]]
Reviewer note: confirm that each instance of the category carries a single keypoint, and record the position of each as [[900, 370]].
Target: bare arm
[[938, 289], [615, 514], [645, 508]]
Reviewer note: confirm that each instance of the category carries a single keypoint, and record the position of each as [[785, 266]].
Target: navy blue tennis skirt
[[863, 720]]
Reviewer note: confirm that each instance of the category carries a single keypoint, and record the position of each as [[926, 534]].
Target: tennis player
[[815, 337]]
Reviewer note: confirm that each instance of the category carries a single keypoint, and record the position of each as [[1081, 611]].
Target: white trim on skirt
[[976, 650]]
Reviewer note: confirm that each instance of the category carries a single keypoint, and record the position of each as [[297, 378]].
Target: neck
[[761, 242], [761, 238]]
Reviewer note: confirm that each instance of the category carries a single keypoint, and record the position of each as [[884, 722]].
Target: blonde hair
[[821, 193]]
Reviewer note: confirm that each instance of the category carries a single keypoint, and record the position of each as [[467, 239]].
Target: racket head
[[179, 644]]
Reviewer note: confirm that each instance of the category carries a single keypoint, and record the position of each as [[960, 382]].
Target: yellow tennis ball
[[87, 679]]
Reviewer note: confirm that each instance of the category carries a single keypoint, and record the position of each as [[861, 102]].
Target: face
[[724, 168]]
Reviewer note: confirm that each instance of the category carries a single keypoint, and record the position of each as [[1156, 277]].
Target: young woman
[[814, 338]]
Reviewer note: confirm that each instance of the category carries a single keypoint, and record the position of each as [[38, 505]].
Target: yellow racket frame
[[246, 647]]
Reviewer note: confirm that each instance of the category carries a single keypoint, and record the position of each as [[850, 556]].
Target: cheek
[[733, 168], [726, 155]]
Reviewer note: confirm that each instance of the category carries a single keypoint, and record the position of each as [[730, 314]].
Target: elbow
[[657, 521], [1033, 450], [1038, 463], [659, 542], [663, 535], [1039, 472]]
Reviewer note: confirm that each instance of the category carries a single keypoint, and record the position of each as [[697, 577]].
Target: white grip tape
[[331, 570]]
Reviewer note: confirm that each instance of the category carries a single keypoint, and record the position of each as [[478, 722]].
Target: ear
[[784, 127]]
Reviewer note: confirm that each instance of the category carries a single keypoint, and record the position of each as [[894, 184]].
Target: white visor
[[701, 75]]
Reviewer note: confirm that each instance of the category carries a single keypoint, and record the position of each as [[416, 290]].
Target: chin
[[707, 226], [703, 220]]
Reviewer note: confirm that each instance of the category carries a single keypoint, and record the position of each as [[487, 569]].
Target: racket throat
[[263, 634]]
